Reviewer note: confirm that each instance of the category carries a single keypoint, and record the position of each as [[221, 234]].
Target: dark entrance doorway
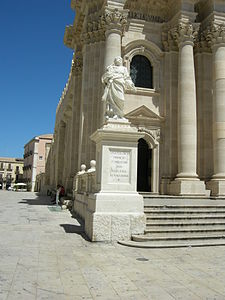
[[144, 167]]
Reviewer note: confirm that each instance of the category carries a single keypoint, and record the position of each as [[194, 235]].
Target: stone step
[[182, 223], [174, 244], [195, 222], [184, 216], [177, 236], [164, 211], [183, 201], [179, 229], [183, 207]]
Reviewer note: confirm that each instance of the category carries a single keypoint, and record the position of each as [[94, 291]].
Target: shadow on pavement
[[70, 228], [37, 201]]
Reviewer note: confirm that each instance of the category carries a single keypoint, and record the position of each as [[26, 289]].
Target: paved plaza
[[45, 255]]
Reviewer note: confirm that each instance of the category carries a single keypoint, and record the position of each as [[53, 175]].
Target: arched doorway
[[144, 168]]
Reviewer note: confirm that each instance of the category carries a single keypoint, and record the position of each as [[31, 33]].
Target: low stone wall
[[84, 184], [107, 217]]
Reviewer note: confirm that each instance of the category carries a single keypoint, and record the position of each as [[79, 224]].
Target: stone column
[[83, 101], [77, 75], [60, 152], [169, 146], [113, 21], [186, 181], [217, 40]]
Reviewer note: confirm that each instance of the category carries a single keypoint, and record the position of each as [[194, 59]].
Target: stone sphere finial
[[82, 169], [92, 166]]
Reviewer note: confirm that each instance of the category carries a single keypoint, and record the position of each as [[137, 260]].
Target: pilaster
[[215, 34]]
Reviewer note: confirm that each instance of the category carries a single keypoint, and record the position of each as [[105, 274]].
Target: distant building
[[35, 156], [11, 171]]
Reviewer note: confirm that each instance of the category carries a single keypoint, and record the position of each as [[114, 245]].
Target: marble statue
[[116, 80]]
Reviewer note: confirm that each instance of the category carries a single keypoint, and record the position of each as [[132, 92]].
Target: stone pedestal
[[116, 211], [184, 187], [217, 187]]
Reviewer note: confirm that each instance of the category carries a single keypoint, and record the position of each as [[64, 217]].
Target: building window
[[141, 72], [9, 167], [2, 166], [8, 177], [40, 157]]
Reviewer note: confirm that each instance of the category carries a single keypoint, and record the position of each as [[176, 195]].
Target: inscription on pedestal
[[119, 166]]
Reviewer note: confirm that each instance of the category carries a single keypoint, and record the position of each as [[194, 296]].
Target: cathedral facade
[[174, 51]]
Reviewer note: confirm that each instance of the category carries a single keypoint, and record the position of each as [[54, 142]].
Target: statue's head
[[118, 61]]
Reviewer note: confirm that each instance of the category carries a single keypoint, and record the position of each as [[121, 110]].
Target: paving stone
[[40, 260]]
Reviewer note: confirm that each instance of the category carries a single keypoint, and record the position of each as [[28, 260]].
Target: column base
[[113, 217], [217, 187], [187, 188]]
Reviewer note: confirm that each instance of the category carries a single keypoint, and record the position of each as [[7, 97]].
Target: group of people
[[59, 194]]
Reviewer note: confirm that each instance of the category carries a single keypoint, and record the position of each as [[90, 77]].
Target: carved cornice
[[145, 16], [148, 10], [73, 32], [114, 19]]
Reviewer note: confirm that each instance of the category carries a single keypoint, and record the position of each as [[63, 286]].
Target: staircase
[[181, 222]]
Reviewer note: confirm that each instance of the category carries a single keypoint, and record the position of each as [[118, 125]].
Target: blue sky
[[34, 68]]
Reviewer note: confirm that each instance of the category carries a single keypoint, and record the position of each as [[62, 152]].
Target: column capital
[[114, 19], [69, 36], [214, 34], [95, 32], [77, 64], [185, 32], [168, 41]]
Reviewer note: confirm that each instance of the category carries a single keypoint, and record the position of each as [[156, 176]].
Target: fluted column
[[216, 36], [186, 182]]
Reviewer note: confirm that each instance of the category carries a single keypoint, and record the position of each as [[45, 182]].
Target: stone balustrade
[[84, 184]]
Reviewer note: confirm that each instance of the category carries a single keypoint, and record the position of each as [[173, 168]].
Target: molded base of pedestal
[[113, 227], [112, 217], [217, 187], [187, 187]]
